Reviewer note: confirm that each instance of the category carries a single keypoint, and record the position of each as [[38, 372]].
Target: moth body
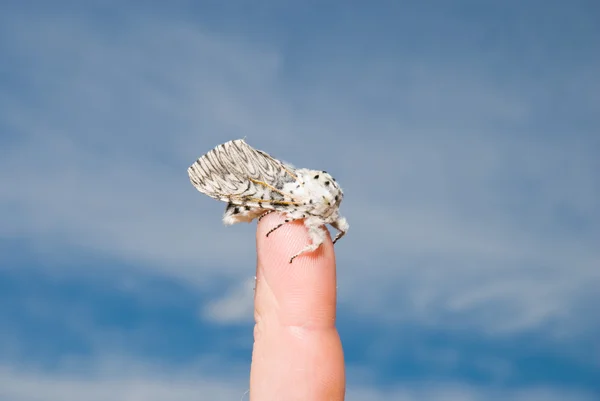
[[254, 184]]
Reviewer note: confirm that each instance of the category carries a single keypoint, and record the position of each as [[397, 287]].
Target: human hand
[[297, 351]]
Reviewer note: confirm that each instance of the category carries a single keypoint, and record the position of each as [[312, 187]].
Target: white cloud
[[460, 392], [36, 386], [235, 306]]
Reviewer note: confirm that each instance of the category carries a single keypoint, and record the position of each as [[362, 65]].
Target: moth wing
[[236, 172]]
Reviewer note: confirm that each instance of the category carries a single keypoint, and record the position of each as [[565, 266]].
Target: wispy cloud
[[235, 306]]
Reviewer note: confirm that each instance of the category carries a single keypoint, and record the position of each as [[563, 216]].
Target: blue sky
[[465, 135]]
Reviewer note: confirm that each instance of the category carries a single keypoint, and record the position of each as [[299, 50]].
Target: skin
[[297, 352]]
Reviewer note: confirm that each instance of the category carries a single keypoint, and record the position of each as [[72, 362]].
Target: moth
[[255, 184]]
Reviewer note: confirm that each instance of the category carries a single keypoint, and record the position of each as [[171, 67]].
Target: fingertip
[[279, 246], [299, 293]]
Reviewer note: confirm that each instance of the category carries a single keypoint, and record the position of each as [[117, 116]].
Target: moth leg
[[279, 225], [342, 226], [317, 235], [291, 216], [265, 213]]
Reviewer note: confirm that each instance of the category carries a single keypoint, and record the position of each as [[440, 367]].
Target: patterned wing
[[241, 175]]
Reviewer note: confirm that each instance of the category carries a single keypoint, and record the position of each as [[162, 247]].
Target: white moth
[[255, 184]]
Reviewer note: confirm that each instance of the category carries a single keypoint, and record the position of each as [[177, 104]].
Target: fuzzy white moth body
[[255, 184]]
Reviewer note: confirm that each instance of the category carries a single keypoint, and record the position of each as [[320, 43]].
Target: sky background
[[465, 135]]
